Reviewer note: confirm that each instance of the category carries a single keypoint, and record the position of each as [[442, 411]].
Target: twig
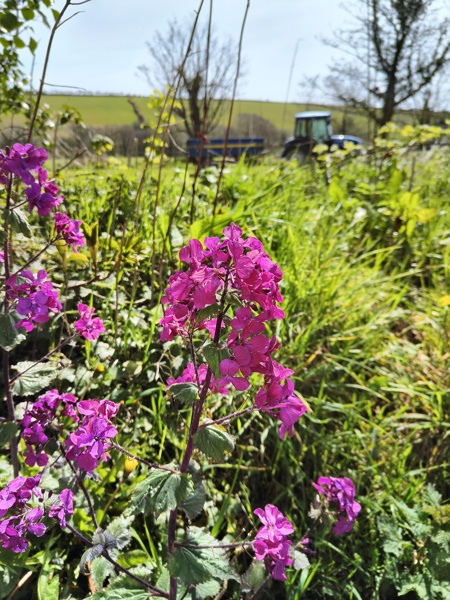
[[44, 70], [261, 587], [143, 461], [230, 116]]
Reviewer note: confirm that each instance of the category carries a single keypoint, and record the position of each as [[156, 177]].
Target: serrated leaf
[[9, 335], [193, 505], [432, 496], [36, 378], [8, 430], [104, 538], [120, 593], [120, 529], [213, 441], [18, 221], [100, 570], [160, 491], [194, 564], [184, 392], [205, 590]]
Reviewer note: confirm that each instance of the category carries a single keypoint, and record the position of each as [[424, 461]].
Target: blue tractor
[[311, 129]]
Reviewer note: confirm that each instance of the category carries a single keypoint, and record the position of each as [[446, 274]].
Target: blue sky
[[100, 49]]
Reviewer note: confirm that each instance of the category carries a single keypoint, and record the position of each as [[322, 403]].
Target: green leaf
[[48, 585], [254, 576], [205, 590], [208, 312], [160, 491], [9, 335], [37, 377], [32, 45], [100, 570], [9, 21], [27, 14], [184, 392], [8, 430], [133, 558], [18, 42], [196, 564], [55, 14], [89, 555], [193, 505], [18, 221], [120, 593], [213, 441], [214, 355], [120, 529]]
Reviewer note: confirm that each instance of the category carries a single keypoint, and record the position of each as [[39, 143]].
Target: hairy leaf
[[184, 392], [100, 570], [213, 441], [8, 430], [36, 378], [193, 505], [160, 491], [192, 563], [9, 336]]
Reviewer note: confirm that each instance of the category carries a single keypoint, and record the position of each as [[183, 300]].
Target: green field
[[102, 111]]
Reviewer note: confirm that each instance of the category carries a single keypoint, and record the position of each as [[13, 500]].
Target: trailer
[[208, 150]]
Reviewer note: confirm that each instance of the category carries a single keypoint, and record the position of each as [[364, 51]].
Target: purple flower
[[87, 326], [35, 298], [63, 510], [275, 525], [90, 442], [21, 159], [271, 544], [340, 490], [69, 230]]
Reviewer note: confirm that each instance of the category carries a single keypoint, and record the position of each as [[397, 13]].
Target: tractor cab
[[312, 128]]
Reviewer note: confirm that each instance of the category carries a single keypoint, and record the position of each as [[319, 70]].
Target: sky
[[100, 49]]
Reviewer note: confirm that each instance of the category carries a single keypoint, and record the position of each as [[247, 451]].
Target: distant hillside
[[107, 111]]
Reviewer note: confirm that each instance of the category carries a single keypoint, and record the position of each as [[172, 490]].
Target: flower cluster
[[237, 268], [340, 490], [25, 162], [35, 296], [18, 516], [39, 416], [69, 230], [271, 544], [91, 441], [88, 326]]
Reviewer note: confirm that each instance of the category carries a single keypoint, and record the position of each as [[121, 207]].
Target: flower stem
[[8, 387]]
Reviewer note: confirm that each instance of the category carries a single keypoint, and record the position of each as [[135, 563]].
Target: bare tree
[[206, 78], [398, 48]]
